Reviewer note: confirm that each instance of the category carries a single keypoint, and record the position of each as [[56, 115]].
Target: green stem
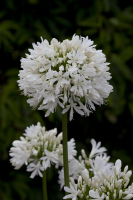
[[44, 185], [65, 149]]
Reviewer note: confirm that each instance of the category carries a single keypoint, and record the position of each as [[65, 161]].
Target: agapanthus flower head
[[64, 73], [38, 149], [108, 184]]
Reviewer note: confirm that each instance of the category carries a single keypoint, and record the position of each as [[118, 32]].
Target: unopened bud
[[83, 153], [59, 137], [35, 152], [120, 193], [87, 162], [107, 198], [43, 129], [125, 185], [103, 188], [46, 145], [89, 181], [80, 180], [114, 168], [128, 174], [125, 169], [72, 181], [80, 158], [105, 175], [112, 187], [100, 176], [79, 192]]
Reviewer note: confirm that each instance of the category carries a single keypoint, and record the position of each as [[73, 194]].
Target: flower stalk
[[44, 185], [65, 149]]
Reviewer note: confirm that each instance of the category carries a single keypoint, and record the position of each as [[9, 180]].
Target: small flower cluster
[[97, 161], [96, 178], [63, 73], [38, 149]]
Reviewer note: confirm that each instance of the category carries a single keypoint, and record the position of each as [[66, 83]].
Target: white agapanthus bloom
[[106, 185], [35, 169], [63, 73], [96, 149], [95, 195], [72, 190], [100, 163], [38, 149]]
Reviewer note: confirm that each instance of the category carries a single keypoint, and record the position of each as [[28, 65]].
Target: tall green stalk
[[65, 149], [44, 185]]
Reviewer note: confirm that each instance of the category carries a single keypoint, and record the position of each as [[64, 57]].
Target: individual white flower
[[75, 168], [100, 163], [36, 168], [19, 157], [38, 149], [50, 157], [62, 73], [72, 190], [95, 195], [71, 149], [61, 178], [96, 149]]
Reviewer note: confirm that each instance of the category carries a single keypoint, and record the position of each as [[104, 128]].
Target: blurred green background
[[110, 24]]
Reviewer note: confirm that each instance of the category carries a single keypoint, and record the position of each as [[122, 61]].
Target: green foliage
[[109, 24]]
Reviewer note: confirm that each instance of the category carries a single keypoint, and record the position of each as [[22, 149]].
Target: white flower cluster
[[96, 162], [38, 149], [96, 179], [64, 73], [106, 185]]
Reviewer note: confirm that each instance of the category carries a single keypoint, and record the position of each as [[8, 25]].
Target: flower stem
[[44, 185], [65, 149]]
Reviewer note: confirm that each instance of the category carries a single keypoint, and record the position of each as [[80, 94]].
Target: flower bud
[[80, 159], [125, 169], [83, 153], [107, 198], [72, 181], [125, 185], [35, 152], [87, 162], [128, 174], [80, 180], [114, 195], [59, 137], [112, 187], [120, 193], [46, 145], [100, 176]]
